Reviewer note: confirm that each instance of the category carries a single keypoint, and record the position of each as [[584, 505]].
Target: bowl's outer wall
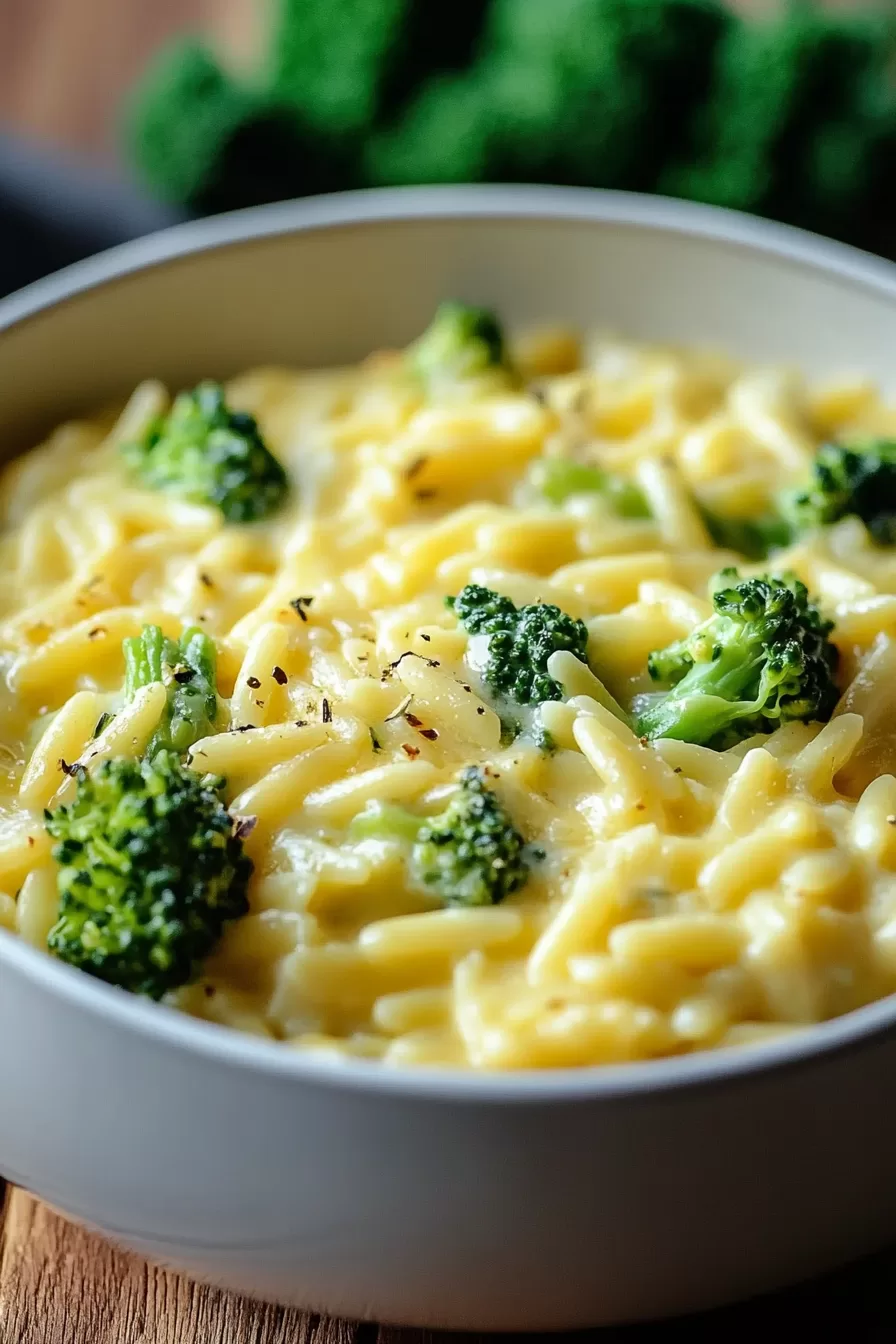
[[421, 1211], [330, 295], [422, 1208]]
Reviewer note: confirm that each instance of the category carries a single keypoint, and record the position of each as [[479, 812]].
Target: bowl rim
[[167, 1027]]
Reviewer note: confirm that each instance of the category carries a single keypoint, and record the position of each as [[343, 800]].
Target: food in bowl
[[497, 703]]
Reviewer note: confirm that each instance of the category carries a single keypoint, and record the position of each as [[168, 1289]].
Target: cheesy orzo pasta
[[616, 893]]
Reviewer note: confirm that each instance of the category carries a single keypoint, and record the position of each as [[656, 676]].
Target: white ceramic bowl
[[503, 1202]]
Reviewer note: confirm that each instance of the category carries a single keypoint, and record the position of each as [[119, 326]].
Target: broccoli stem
[[385, 821], [707, 700], [762, 659], [187, 668]]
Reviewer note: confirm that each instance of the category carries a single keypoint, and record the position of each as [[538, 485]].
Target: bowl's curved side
[[325, 281], [438, 1212]]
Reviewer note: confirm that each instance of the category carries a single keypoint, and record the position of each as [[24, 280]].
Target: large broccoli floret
[[150, 870], [187, 668], [587, 92], [469, 855], [763, 659], [559, 478], [850, 481], [350, 66], [518, 642], [207, 453], [460, 342]]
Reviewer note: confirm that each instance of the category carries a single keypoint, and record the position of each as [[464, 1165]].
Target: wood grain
[[61, 1285]]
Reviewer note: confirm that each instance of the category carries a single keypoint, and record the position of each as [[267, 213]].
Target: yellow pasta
[[679, 897]]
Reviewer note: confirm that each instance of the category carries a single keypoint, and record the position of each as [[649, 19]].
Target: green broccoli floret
[[799, 124], [202, 139], [187, 667], [849, 481], [762, 659], [460, 342], [186, 108], [150, 870], [207, 453], [580, 92], [754, 538], [471, 854], [559, 478], [350, 66], [520, 640]]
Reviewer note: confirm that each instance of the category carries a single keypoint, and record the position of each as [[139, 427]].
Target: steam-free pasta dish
[[500, 702]]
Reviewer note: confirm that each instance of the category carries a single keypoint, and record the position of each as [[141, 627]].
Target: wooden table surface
[[60, 1285], [64, 67]]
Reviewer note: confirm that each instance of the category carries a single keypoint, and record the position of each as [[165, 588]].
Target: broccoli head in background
[[586, 92], [202, 139], [517, 643], [799, 123], [849, 481], [755, 538], [460, 342], [762, 659], [187, 668], [469, 855], [150, 870], [793, 117], [209, 454], [560, 478]]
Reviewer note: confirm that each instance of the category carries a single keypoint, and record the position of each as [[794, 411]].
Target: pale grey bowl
[[523, 1202]]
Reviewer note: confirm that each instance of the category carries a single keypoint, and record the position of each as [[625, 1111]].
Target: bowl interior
[[326, 281]]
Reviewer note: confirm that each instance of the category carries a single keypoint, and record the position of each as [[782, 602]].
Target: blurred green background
[[781, 109]]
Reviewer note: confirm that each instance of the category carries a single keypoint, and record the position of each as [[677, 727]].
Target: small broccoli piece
[[762, 659], [520, 640], [850, 481], [385, 821], [187, 667], [754, 538], [460, 342], [209, 454], [559, 478], [149, 873], [470, 854]]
